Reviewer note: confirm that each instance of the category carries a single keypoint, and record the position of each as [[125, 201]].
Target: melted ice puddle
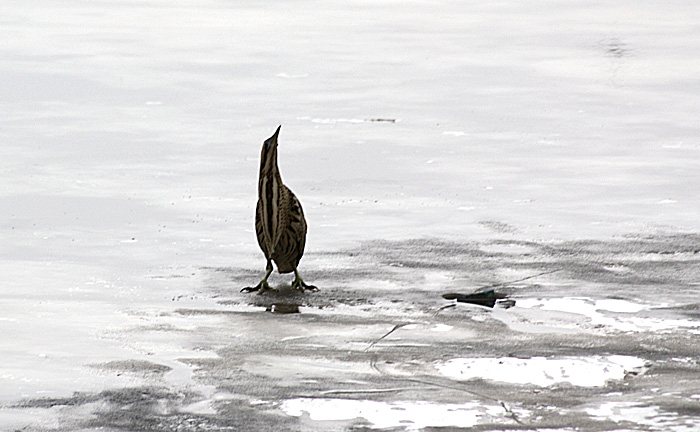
[[540, 371], [410, 415]]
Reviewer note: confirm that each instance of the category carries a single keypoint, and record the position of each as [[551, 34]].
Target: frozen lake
[[436, 147]]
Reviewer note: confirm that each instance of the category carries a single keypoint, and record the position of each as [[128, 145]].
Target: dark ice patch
[[137, 367], [148, 409]]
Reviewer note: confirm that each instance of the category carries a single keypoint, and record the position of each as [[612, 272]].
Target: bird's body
[[284, 246], [280, 225]]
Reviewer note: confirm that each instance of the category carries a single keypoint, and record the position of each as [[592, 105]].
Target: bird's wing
[[297, 224], [259, 229]]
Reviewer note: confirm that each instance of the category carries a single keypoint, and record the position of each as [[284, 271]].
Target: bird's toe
[[260, 288], [250, 289], [300, 285]]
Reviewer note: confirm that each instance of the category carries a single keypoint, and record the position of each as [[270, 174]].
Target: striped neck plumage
[[268, 159]]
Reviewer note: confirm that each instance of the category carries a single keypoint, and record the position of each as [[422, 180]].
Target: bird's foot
[[301, 285], [262, 287]]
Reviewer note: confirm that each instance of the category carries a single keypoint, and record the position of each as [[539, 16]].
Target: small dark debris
[[505, 304]]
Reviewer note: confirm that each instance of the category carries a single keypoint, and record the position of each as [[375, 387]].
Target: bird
[[280, 225]]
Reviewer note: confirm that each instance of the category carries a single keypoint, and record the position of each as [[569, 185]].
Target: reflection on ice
[[283, 308]]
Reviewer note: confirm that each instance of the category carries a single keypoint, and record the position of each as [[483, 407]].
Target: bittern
[[279, 221]]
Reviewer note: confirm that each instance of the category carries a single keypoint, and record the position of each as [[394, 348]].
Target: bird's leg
[[300, 284], [263, 285]]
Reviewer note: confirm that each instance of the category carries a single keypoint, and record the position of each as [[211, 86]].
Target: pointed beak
[[272, 141]]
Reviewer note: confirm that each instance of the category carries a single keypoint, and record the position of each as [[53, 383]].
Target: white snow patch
[[649, 416], [442, 328], [616, 305], [454, 133], [594, 310], [616, 268], [407, 414], [543, 372]]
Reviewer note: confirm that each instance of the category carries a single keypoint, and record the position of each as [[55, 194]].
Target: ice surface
[[435, 147]]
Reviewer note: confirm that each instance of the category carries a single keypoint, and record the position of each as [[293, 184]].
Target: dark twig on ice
[[396, 327]]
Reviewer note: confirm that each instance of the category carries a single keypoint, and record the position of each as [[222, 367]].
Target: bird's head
[[268, 156]]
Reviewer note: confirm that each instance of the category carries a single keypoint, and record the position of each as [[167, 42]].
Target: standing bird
[[279, 221]]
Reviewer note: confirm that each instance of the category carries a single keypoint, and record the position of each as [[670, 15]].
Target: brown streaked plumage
[[279, 220]]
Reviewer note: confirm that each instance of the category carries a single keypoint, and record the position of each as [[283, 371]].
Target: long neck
[[268, 170], [269, 192]]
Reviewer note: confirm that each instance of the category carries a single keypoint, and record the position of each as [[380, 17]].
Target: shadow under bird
[[279, 221]]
